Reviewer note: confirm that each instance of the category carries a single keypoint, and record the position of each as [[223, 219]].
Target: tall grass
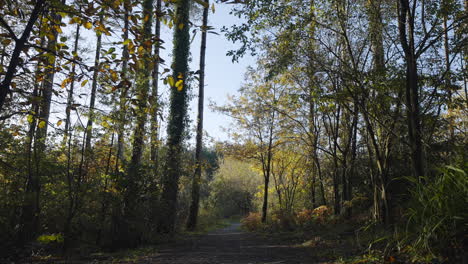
[[437, 216]]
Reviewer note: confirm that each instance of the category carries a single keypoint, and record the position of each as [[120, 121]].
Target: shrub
[[282, 220], [304, 217], [252, 222], [322, 214], [319, 216]]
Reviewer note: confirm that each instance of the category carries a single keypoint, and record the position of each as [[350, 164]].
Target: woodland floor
[[231, 245]]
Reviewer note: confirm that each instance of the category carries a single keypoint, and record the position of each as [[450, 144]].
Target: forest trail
[[231, 245]]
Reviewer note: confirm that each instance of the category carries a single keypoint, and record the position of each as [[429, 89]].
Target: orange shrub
[[322, 213], [319, 215], [252, 222], [304, 217]]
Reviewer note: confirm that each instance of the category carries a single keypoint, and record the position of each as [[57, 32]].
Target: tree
[[177, 116], [255, 113], [195, 203], [131, 233]]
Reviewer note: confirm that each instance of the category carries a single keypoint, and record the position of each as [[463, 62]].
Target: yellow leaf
[[105, 124], [180, 85], [114, 76], [181, 26], [180, 76], [41, 124], [59, 122], [30, 118], [64, 83], [51, 36], [170, 80], [212, 8], [83, 83], [126, 42], [88, 25], [140, 49], [58, 29]]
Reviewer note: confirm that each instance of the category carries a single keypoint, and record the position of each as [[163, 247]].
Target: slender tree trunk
[[31, 210], [155, 95], [195, 203], [177, 117], [267, 172], [406, 29], [448, 75], [31, 177], [124, 91], [104, 199], [72, 85], [92, 102]]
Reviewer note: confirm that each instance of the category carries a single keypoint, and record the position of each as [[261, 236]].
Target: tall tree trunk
[[267, 171], [131, 235], [125, 87], [447, 74], [31, 154], [406, 29], [32, 208], [92, 102], [195, 203], [154, 93], [72, 85], [177, 117]]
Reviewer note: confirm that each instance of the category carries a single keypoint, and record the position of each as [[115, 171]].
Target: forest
[[352, 126]]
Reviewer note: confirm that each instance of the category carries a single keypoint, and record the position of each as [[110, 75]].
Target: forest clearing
[[234, 131]]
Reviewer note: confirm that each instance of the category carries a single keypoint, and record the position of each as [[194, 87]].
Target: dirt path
[[231, 245]]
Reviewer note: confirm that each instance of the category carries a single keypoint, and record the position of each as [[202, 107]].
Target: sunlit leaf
[[42, 124], [180, 85], [170, 80], [88, 25]]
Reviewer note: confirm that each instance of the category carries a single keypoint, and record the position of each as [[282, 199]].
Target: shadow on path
[[231, 245]]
